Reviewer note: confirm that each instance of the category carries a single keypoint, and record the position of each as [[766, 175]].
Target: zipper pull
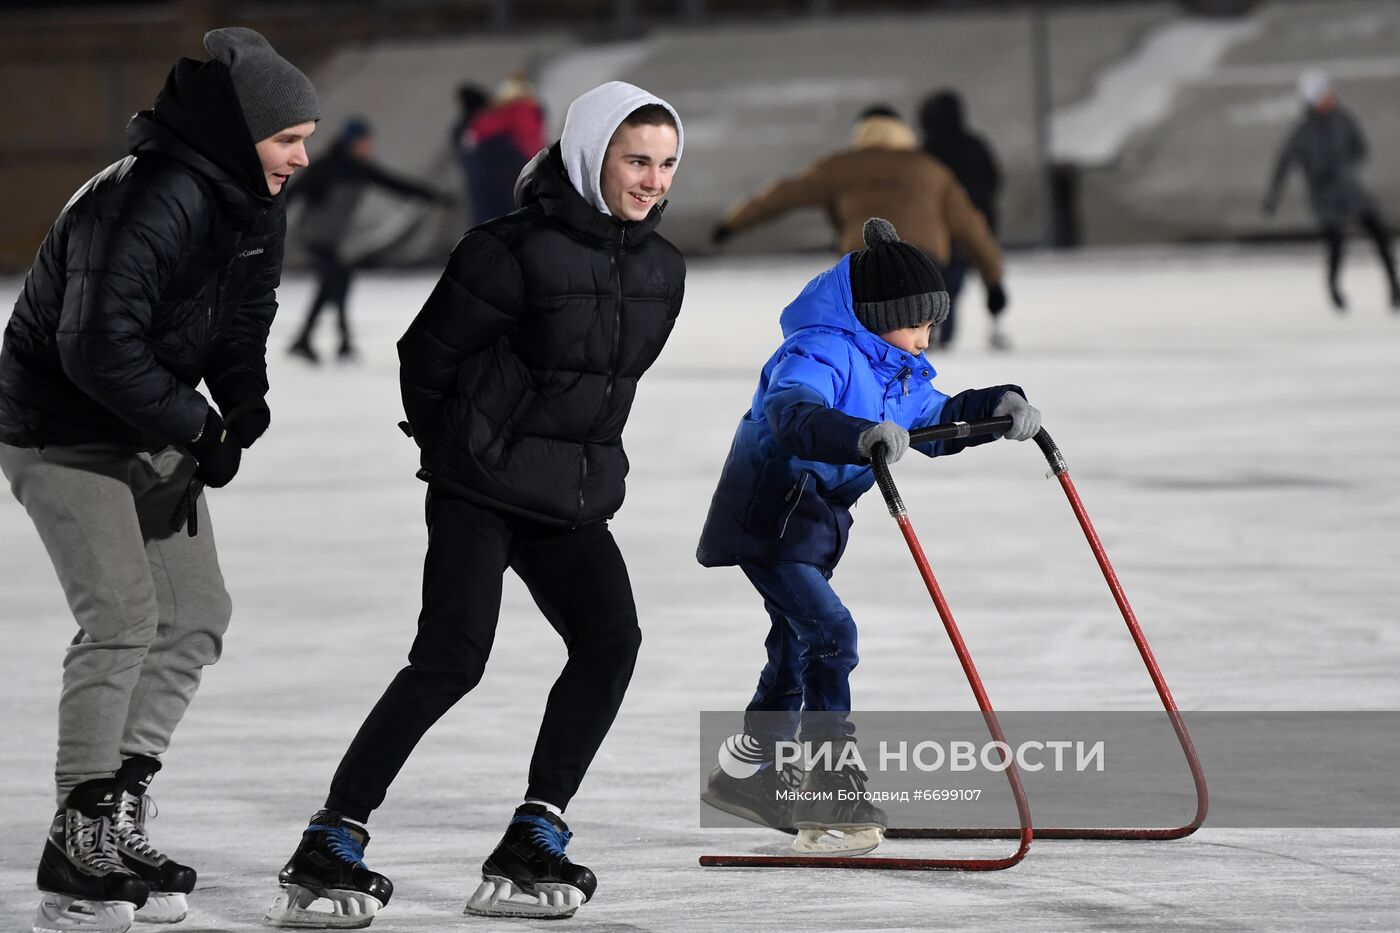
[[903, 377]]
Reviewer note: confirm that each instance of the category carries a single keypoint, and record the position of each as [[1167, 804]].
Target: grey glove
[[895, 439], [1025, 417]]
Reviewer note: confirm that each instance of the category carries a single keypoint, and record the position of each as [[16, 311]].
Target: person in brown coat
[[883, 174]]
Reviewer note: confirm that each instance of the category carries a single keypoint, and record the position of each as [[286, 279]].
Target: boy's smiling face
[[913, 340]]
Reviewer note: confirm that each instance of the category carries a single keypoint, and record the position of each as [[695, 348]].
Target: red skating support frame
[[1025, 832]]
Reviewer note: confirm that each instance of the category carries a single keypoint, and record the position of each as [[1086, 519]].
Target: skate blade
[[837, 841], [163, 908], [742, 812], [348, 910], [499, 897], [59, 913]]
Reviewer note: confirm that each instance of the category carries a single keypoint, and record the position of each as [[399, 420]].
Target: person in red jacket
[[499, 141]]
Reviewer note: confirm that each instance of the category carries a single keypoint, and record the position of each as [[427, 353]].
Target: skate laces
[[544, 834], [129, 825], [342, 843], [788, 778], [96, 846]]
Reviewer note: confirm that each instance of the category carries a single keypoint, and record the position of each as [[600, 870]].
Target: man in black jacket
[[1328, 146], [159, 273], [970, 159], [517, 377]]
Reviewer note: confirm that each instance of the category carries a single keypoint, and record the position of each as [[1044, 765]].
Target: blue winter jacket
[[793, 471]]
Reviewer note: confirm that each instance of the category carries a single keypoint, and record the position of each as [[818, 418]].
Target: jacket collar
[[550, 188], [196, 119], [148, 136], [826, 304]]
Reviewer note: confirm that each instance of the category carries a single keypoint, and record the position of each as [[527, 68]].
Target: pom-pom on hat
[[893, 283]]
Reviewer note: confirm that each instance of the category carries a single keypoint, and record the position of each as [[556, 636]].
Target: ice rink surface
[[1234, 441]]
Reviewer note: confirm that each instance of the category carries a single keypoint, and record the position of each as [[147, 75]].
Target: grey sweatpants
[[150, 602]]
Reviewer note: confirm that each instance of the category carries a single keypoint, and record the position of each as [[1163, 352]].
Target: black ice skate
[[167, 879], [84, 883], [759, 798], [833, 815], [329, 864], [529, 875]]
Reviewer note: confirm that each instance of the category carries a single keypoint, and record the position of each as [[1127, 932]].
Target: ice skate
[[755, 798], [1339, 300], [329, 865], [303, 349], [998, 341], [167, 879], [83, 882], [827, 824], [529, 875]]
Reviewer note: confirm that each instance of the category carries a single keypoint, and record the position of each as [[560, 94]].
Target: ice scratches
[[1387, 880], [1234, 482]]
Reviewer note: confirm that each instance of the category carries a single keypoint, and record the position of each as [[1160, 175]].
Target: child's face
[[913, 340]]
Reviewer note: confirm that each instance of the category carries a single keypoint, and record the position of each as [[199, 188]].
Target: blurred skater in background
[[974, 165], [499, 140], [332, 189], [1328, 146], [882, 174], [471, 100]]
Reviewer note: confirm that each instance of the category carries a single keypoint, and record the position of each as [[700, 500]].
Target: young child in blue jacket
[[850, 374]]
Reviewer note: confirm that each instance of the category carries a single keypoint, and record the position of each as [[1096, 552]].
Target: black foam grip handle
[[1051, 452], [957, 429], [885, 481]]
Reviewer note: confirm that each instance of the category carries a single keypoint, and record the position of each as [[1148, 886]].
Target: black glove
[[217, 453], [247, 421], [996, 298], [895, 439], [1025, 417], [720, 234]]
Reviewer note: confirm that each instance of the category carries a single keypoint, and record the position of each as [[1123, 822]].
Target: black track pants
[[578, 580]]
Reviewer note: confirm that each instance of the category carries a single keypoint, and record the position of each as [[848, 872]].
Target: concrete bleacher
[[1173, 120], [1190, 160], [1202, 170], [757, 99]]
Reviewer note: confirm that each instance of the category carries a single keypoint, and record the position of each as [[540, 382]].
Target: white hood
[[589, 126]]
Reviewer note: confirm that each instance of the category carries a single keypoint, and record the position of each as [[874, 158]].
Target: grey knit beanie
[[272, 92], [893, 283]]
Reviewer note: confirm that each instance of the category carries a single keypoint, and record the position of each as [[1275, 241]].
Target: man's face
[[913, 340], [283, 153], [638, 169]]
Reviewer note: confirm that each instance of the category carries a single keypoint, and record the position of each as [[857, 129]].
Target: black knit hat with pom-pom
[[893, 283]]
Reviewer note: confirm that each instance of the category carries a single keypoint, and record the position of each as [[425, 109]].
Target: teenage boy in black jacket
[[160, 272], [517, 378]]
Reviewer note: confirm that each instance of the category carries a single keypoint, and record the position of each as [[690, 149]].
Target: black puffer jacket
[[519, 372], [158, 273]]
